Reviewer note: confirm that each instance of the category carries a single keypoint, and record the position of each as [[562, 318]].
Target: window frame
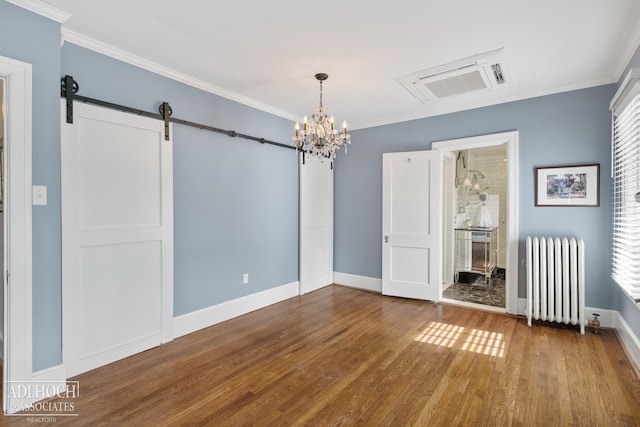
[[625, 173]]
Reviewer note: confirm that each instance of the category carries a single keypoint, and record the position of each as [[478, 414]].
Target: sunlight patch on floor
[[469, 339]]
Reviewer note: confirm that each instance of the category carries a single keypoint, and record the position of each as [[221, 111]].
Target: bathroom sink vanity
[[475, 251]]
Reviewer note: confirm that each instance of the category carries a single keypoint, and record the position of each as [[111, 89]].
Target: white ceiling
[[267, 52]]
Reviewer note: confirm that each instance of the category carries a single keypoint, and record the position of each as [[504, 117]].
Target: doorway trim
[[511, 140], [17, 275]]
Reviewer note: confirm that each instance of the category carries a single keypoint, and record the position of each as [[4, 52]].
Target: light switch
[[39, 195]]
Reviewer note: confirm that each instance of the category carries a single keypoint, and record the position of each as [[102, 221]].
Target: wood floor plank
[[341, 356]]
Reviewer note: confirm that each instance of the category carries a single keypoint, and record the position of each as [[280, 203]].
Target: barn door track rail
[[69, 89]]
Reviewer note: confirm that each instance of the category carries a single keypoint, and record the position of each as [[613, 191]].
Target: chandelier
[[318, 137]]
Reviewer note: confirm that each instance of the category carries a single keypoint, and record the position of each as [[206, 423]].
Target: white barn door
[[412, 224], [316, 224], [117, 236]]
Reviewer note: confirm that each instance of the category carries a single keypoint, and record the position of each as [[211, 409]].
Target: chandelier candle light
[[318, 137]]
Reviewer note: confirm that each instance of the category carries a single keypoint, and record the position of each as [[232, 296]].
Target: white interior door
[[412, 225], [117, 236], [316, 224]]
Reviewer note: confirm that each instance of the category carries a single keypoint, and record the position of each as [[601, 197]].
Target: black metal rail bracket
[[165, 112], [69, 88]]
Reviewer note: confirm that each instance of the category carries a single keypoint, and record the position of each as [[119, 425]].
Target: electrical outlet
[[245, 278]]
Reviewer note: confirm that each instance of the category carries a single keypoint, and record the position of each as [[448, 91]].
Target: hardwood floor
[[341, 356]]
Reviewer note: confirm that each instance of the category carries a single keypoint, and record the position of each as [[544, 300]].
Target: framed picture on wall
[[577, 185]]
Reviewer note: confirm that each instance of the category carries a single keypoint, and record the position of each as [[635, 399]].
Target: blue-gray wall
[[235, 201], [36, 40], [561, 129]]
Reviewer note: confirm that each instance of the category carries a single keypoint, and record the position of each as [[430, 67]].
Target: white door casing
[[511, 141], [316, 224], [412, 225], [17, 351], [448, 209], [117, 236]]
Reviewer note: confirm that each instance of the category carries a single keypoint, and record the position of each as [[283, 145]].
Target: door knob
[[386, 239]]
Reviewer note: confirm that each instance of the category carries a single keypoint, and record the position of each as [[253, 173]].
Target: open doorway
[[481, 221]]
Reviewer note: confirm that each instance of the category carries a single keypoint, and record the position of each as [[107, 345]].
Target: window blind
[[625, 169]]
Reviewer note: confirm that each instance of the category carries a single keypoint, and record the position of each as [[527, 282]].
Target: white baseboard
[[196, 320], [522, 307], [607, 318], [629, 339], [54, 373], [355, 281]]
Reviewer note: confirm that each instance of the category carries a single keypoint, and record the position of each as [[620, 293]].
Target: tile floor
[[471, 287]]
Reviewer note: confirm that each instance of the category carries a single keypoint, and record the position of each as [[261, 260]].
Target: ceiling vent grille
[[479, 72]]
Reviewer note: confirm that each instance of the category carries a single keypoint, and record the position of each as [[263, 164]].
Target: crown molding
[[46, 10], [627, 90], [629, 50], [121, 55]]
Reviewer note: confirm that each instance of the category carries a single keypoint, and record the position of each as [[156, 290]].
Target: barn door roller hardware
[[69, 89]]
